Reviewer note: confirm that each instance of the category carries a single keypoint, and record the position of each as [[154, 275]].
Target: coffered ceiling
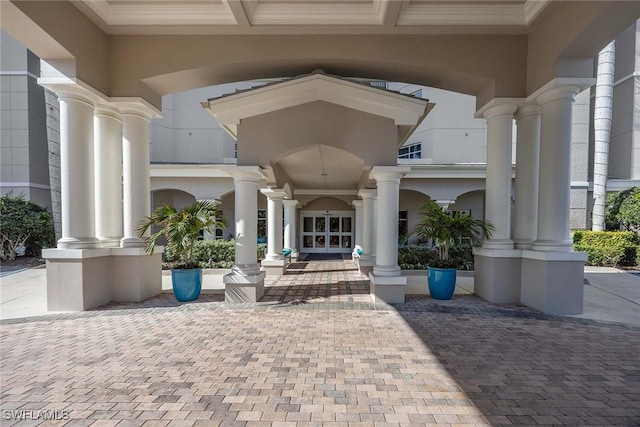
[[311, 16]]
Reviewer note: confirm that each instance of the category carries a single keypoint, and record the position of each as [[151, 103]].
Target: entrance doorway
[[326, 231]]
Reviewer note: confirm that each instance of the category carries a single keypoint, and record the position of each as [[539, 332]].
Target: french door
[[326, 231]]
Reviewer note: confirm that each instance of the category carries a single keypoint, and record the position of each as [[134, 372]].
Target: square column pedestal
[[553, 282], [389, 289], [239, 289], [496, 275], [274, 267], [82, 279]]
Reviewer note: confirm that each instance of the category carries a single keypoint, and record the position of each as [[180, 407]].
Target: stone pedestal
[[77, 279], [82, 279], [274, 267], [497, 275], [389, 289], [136, 275], [553, 282], [243, 289]]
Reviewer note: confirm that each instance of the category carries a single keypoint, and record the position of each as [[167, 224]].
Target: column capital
[[560, 88], [274, 193], [245, 173], [137, 107], [356, 203], [290, 203], [527, 110], [499, 107], [389, 173], [69, 89], [108, 111], [368, 193]]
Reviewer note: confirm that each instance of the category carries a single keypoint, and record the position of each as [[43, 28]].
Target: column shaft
[[290, 225], [246, 215], [77, 172], [555, 170], [368, 226], [357, 204], [136, 180], [274, 226], [498, 184], [527, 165], [387, 224], [108, 173]]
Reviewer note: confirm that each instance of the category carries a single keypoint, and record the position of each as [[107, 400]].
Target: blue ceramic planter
[[442, 282], [186, 283]]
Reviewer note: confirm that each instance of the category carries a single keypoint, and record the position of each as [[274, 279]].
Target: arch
[[323, 202], [172, 197]]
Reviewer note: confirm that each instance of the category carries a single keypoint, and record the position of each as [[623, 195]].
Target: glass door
[[326, 231]]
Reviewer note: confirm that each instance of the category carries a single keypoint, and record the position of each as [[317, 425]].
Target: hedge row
[[211, 254], [609, 248], [419, 257]]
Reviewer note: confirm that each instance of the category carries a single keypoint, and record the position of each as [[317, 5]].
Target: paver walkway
[[318, 361]]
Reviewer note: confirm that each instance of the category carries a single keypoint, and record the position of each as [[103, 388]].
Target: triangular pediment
[[229, 110]]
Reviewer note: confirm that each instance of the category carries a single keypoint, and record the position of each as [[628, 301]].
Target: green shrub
[[415, 257], [608, 248], [211, 254], [24, 225]]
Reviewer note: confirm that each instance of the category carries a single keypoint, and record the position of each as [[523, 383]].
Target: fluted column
[[527, 164], [274, 223], [357, 204], [555, 169], [368, 256], [136, 118], [108, 174], [290, 226], [498, 184], [77, 190], [388, 183]]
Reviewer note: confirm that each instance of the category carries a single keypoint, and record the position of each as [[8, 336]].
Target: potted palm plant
[[447, 230], [182, 229]]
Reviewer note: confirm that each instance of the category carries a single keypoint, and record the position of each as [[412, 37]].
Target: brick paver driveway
[[308, 357]]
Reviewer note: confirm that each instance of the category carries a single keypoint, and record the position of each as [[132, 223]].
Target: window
[[413, 151], [403, 223]]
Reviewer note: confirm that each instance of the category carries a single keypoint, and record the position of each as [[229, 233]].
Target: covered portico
[[114, 60], [352, 151]]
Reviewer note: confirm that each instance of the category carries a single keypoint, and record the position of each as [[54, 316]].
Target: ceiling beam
[[390, 11], [239, 12]]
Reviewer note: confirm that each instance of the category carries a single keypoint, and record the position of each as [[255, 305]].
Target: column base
[[366, 264], [78, 243], [553, 282], [136, 275], [239, 289], [132, 242], [552, 245], [388, 289], [275, 267], [497, 275], [109, 242], [498, 244], [77, 279], [523, 244]]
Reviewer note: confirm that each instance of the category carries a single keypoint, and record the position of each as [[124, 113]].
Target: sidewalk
[[610, 294]]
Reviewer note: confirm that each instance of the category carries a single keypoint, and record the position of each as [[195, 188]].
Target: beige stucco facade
[[526, 61]]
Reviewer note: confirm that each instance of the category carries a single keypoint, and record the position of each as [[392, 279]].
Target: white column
[[274, 223], [388, 182], [357, 204], [135, 165], [246, 215], [368, 227], [290, 226], [108, 175], [76, 167], [527, 164], [555, 169], [498, 183]]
